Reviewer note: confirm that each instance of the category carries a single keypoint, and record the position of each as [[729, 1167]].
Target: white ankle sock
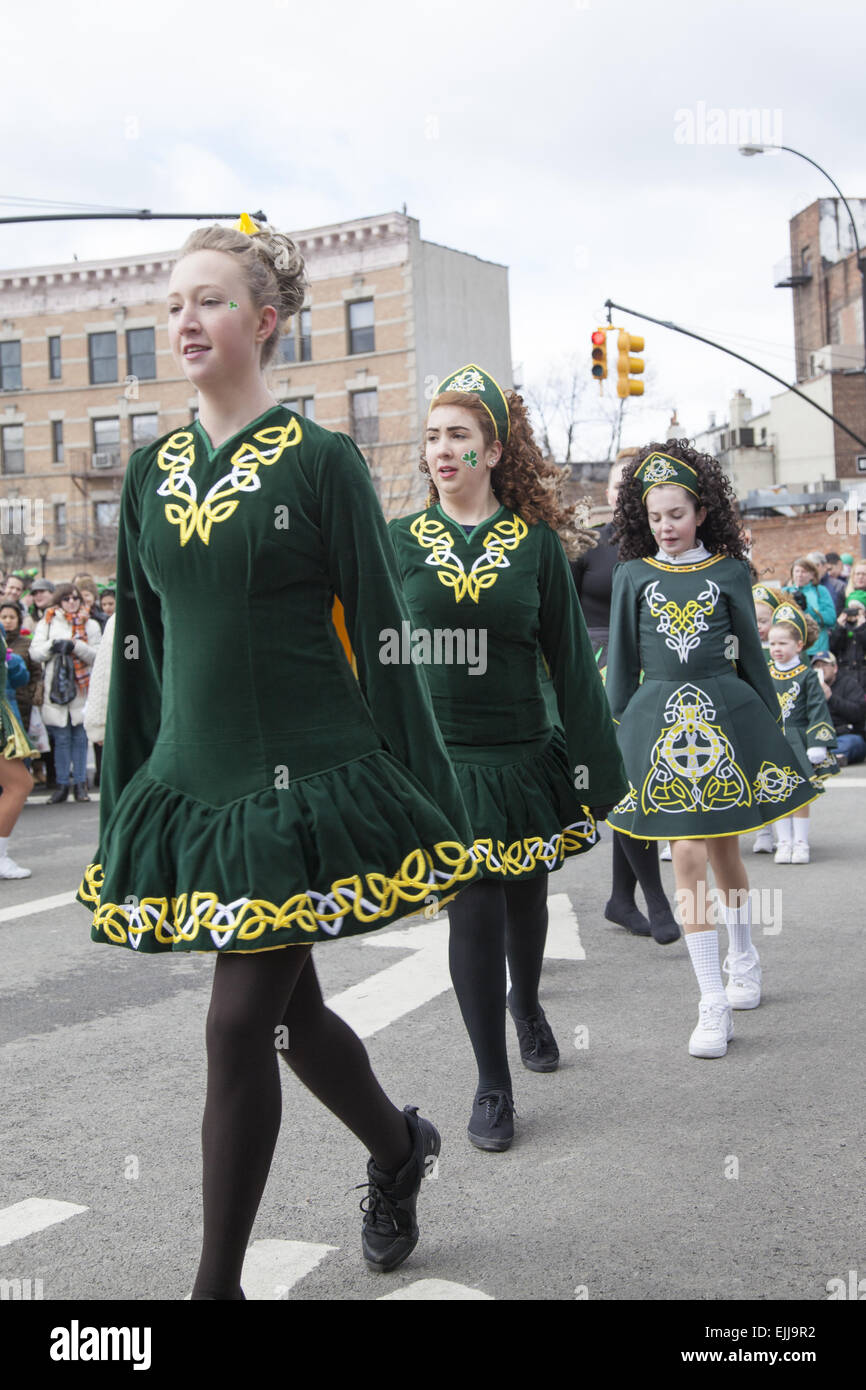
[[785, 830], [738, 921], [801, 830], [704, 951]]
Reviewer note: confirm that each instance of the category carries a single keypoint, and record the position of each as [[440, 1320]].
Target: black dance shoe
[[538, 1049], [491, 1126], [390, 1231], [60, 794], [629, 917]]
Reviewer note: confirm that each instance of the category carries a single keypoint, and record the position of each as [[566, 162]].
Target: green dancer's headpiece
[[761, 594], [658, 469], [790, 613], [475, 381]]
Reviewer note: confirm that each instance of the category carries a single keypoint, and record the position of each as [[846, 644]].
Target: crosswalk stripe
[[11, 914], [273, 1267], [430, 1289], [33, 1214]]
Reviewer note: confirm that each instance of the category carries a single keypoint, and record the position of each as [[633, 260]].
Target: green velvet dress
[[256, 794], [806, 716], [700, 736], [506, 591], [14, 743]]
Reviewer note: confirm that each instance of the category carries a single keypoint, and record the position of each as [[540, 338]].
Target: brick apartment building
[[87, 377]]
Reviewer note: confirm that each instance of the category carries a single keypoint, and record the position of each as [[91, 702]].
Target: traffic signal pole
[[675, 328]]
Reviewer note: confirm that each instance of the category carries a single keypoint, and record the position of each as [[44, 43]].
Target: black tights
[[256, 996], [490, 922], [636, 861]]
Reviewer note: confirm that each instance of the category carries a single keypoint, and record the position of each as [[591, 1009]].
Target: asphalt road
[[638, 1172]]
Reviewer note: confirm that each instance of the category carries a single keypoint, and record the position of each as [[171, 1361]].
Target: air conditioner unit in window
[[103, 460]]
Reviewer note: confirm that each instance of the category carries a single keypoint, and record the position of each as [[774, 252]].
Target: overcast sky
[[568, 139]]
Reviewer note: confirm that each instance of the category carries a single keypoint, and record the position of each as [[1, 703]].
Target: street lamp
[[749, 150], [43, 548]]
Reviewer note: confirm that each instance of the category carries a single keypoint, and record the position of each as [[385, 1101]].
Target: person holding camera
[[64, 632], [847, 704], [811, 595], [848, 638]]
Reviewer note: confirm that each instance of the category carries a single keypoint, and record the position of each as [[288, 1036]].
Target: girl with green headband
[[766, 599], [808, 723], [700, 736], [487, 556]]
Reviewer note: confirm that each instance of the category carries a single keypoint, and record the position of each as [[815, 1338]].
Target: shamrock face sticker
[[471, 458], [232, 304]]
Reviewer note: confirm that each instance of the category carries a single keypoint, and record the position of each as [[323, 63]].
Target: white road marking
[[11, 914], [32, 1215], [273, 1267], [845, 782], [429, 1289], [382, 998]]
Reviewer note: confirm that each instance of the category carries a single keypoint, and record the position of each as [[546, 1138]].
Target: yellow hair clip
[[246, 224]]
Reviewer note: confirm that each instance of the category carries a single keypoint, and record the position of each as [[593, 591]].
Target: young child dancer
[[767, 600], [257, 797], [483, 560], [705, 757], [808, 725]]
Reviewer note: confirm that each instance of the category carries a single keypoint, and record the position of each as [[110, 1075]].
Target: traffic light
[[599, 357], [628, 366]]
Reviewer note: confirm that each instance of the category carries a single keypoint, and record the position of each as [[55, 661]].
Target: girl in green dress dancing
[[700, 736]]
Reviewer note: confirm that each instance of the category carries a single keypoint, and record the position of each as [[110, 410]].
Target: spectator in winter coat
[[847, 704], [848, 639], [819, 604], [62, 631]]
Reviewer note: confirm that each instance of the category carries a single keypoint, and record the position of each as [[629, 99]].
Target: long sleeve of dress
[[623, 651], [749, 655], [133, 716], [580, 694], [819, 723], [365, 574]]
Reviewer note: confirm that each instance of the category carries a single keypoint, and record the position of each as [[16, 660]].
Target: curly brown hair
[[721, 532], [523, 480]]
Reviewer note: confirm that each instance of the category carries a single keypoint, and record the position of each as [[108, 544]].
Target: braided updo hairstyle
[[272, 266]]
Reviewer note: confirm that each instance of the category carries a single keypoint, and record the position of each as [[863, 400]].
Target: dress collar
[[688, 557], [788, 665]]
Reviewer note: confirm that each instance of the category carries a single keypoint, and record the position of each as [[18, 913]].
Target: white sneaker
[[784, 850], [744, 986], [800, 853], [715, 1028], [763, 841], [666, 852], [9, 869]]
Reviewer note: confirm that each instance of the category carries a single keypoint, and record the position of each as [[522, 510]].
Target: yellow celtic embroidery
[[785, 675], [658, 470], [692, 764], [177, 456], [628, 803], [788, 699], [503, 536], [774, 783], [681, 627], [185, 919], [524, 856]]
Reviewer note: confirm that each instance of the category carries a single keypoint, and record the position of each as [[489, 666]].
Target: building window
[[362, 334], [287, 352], [57, 441], [12, 447], [60, 524], [141, 353], [106, 443], [145, 429], [306, 325], [105, 515], [54, 367], [365, 416], [302, 405], [102, 351], [10, 366]]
